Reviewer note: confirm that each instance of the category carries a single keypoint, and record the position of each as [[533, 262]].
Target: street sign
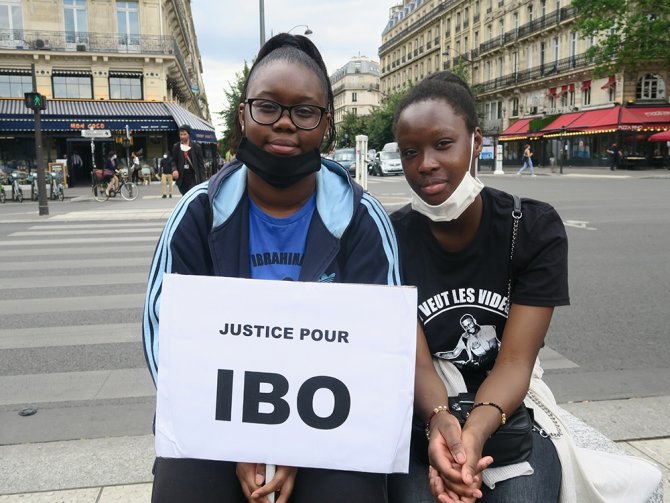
[[96, 133]]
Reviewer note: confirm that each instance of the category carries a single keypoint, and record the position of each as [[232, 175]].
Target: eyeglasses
[[267, 112]]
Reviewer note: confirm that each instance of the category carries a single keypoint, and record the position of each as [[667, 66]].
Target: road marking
[[71, 304], [77, 335], [75, 386], [578, 224], [115, 278], [76, 241]]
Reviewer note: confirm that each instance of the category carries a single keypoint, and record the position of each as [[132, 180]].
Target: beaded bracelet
[[436, 411], [503, 416]]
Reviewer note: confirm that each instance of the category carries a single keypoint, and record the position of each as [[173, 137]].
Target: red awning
[[586, 85], [611, 81], [645, 117], [564, 89], [662, 136], [593, 121], [551, 93], [518, 128], [571, 88], [563, 121]]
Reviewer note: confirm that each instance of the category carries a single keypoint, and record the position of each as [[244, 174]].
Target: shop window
[[650, 87], [125, 88], [14, 86], [72, 86], [611, 93]]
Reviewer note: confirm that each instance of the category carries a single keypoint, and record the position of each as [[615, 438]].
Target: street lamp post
[[562, 153], [261, 10], [307, 31]]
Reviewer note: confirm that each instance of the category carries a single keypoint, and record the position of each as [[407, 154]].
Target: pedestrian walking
[[188, 164], [134, 168], [165, 167], [614, 155], [527, 161], [75, 168]]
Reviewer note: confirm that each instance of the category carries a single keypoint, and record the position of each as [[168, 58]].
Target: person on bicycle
[[109, 174]]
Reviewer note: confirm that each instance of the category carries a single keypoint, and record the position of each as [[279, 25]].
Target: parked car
[[387, 163], [347, 158]]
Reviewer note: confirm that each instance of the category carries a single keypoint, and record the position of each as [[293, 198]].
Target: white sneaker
[[533, 175]]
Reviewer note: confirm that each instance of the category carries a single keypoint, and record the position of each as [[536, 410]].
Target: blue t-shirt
[[277, 245]]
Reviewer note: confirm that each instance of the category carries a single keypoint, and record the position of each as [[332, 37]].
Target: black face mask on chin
[[280, 172]]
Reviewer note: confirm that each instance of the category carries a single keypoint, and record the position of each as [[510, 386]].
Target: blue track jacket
[[350, 239]]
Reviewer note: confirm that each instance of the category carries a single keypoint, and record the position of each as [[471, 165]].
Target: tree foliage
[[627, 34], [229, 114], [351, 125], [380, 121]]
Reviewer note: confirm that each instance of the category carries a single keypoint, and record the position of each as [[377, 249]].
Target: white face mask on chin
[[459, 200]]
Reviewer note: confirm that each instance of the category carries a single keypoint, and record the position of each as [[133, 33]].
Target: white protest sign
[[286, 373]]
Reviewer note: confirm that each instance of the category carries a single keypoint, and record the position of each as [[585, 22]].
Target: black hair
[[293, 49], [187, 128], [443, 86]]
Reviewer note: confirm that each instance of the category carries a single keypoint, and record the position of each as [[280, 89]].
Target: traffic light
[[35, 101]]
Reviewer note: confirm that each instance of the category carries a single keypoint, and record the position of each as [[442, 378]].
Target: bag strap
[[516, 216]]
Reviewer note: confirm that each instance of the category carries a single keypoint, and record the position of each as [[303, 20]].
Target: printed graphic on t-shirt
[[477, 347], [277, 245]]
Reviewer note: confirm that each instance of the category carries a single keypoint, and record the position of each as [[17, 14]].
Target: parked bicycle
[[56, 188], [128, 190], [17, 191], [3, 181]]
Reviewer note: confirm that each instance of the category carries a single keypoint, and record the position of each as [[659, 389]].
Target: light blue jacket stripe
[[162, 263], [387, 234]]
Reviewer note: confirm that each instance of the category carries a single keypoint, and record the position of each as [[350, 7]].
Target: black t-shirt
[[463, 295]]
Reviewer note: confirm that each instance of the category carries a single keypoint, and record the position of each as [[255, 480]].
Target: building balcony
[[39, 40], [554, 70], [89, 42]]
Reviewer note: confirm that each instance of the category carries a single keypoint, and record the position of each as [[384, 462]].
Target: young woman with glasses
[[277, 196]]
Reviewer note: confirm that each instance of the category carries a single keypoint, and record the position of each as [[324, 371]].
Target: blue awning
[[202, 131], [77, 115]]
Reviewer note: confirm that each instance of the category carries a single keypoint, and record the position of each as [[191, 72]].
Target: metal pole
[[561, 148], [39, 157], [261, 9]]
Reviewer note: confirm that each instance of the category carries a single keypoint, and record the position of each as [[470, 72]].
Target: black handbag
[[509, 444]]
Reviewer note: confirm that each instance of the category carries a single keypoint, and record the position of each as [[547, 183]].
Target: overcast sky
[[229, 33]]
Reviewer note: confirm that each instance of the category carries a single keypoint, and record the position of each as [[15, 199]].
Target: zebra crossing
[[71, 296]]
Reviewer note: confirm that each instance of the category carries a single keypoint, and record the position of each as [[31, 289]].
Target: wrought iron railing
[[531, 74]]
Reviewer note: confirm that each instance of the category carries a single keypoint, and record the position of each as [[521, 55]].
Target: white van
[[391, 147]]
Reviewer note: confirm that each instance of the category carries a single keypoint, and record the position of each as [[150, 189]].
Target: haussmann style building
[[356, 87], [532, 79], [129, 67]]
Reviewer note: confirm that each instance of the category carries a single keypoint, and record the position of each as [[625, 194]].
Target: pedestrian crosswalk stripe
[[75, 232], [76, 335], [75, 241]]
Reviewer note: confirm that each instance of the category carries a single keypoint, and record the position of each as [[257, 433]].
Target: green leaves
[[630, 34], [229, 114]]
